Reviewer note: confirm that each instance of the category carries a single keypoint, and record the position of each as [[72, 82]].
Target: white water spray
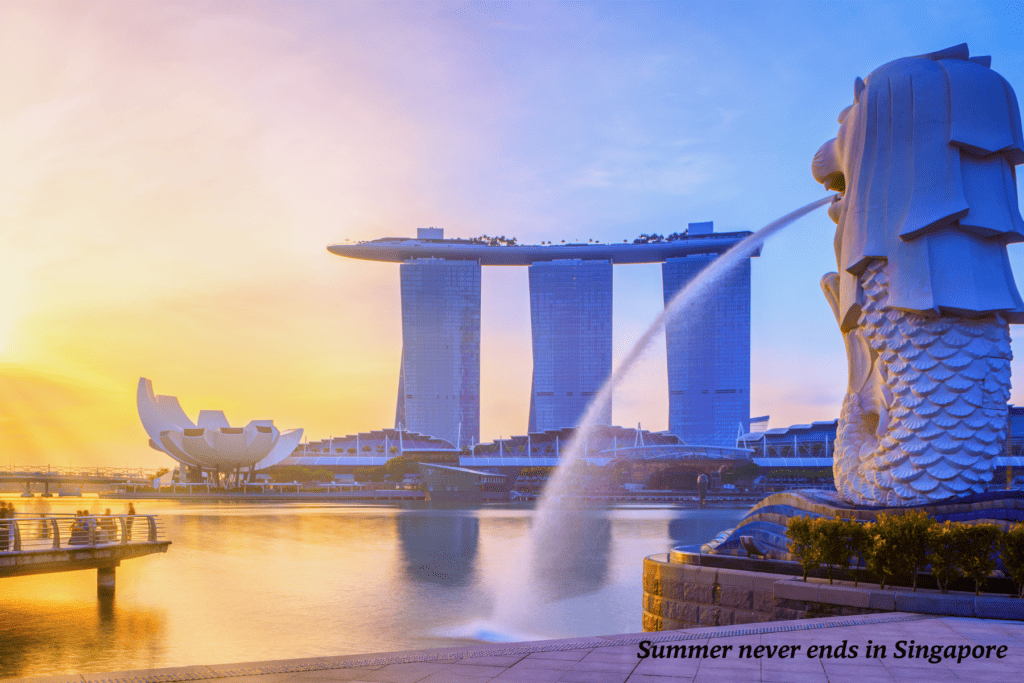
[[559, 526]]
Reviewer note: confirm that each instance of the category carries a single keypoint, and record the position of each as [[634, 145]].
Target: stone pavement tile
[[529, 675], [726, 676], [989, 638], [647, 678], [449, 676], [987, 673], [630, 655], [617, 652], [574, 655], [975, 677], [798, 665], [781, 676], [57, 678], [479, 670], [594, 677], [267, 678], [1014, 661], [856, 672], [668, 667], [935, 673], [325, 675], [1012, 628], [607, 665], [527, 663], [411, 672], [492, 660], [730, 663], [859, 662], [874, 676], [905, 663]]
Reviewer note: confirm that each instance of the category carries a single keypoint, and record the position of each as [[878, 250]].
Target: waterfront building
[[570, 301], [601, 445], [369, 449], [461, 484], [708, 351], [439, 380], [571, 316], [210, 447], [790, 453]]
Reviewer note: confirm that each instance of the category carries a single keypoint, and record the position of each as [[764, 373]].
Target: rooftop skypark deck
[[401, 249]]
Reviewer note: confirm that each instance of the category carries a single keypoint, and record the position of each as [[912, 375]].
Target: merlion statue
[[924, 164]]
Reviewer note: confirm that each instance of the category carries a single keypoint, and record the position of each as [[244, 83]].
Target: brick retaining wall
[[684, 595]]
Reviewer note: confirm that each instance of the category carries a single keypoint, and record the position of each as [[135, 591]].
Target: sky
[[171, 174]]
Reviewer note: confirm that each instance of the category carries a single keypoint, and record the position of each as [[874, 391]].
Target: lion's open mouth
[[835, 181]]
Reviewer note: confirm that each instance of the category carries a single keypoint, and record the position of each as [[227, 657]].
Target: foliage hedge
[[898, 547]]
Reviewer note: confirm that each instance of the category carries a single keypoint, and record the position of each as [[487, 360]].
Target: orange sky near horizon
[[170, 223]]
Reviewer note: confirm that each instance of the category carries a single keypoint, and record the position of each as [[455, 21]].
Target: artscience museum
[[210, 444]]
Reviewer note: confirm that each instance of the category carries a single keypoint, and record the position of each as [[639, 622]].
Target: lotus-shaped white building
[[211, 443]]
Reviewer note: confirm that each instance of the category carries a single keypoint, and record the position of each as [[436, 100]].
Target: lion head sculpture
[[925, 162]]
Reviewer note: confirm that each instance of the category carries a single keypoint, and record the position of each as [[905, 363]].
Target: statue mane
[[927, 154]]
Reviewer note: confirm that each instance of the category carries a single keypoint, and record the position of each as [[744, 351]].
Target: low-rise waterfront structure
[[461, 484]]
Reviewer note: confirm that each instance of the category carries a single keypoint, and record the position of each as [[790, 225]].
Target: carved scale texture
[[949, 380]]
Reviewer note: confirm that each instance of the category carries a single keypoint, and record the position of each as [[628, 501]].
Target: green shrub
[[900, 546], [946, 543], [957, 549], [861, 542], [802, 543], [1012, 552], [979, 556], [835, 543]]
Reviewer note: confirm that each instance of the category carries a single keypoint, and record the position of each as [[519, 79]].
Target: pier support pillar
[[105, 580]]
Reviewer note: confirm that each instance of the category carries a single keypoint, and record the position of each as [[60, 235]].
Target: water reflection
[[38, 636], [439, 548]]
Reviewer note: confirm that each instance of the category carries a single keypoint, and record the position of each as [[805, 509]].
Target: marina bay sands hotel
[[571, 315]]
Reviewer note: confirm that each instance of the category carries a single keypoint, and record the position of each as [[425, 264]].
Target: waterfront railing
[[55, 532]]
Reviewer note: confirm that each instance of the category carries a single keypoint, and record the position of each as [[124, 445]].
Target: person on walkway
[[107, 528], [129, 521], [79, 529], [5, 528]]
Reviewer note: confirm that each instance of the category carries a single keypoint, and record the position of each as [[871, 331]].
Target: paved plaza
[[614, 659]]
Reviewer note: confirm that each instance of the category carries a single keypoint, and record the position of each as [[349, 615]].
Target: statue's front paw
[[830, 286]]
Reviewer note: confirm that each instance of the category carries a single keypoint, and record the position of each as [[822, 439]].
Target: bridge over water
[[59, 543], [29, 475]]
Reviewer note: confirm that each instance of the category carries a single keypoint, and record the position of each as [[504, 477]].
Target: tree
[[900, 545], [802, 543], [1012, 551], [979, 557], [945, 546]]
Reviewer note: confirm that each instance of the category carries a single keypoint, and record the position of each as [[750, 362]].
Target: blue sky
[[173, 172]]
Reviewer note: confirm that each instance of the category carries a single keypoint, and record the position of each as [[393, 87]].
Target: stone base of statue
[[766, 522]]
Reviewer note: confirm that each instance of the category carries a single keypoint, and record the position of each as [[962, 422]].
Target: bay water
[[257, 581]]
